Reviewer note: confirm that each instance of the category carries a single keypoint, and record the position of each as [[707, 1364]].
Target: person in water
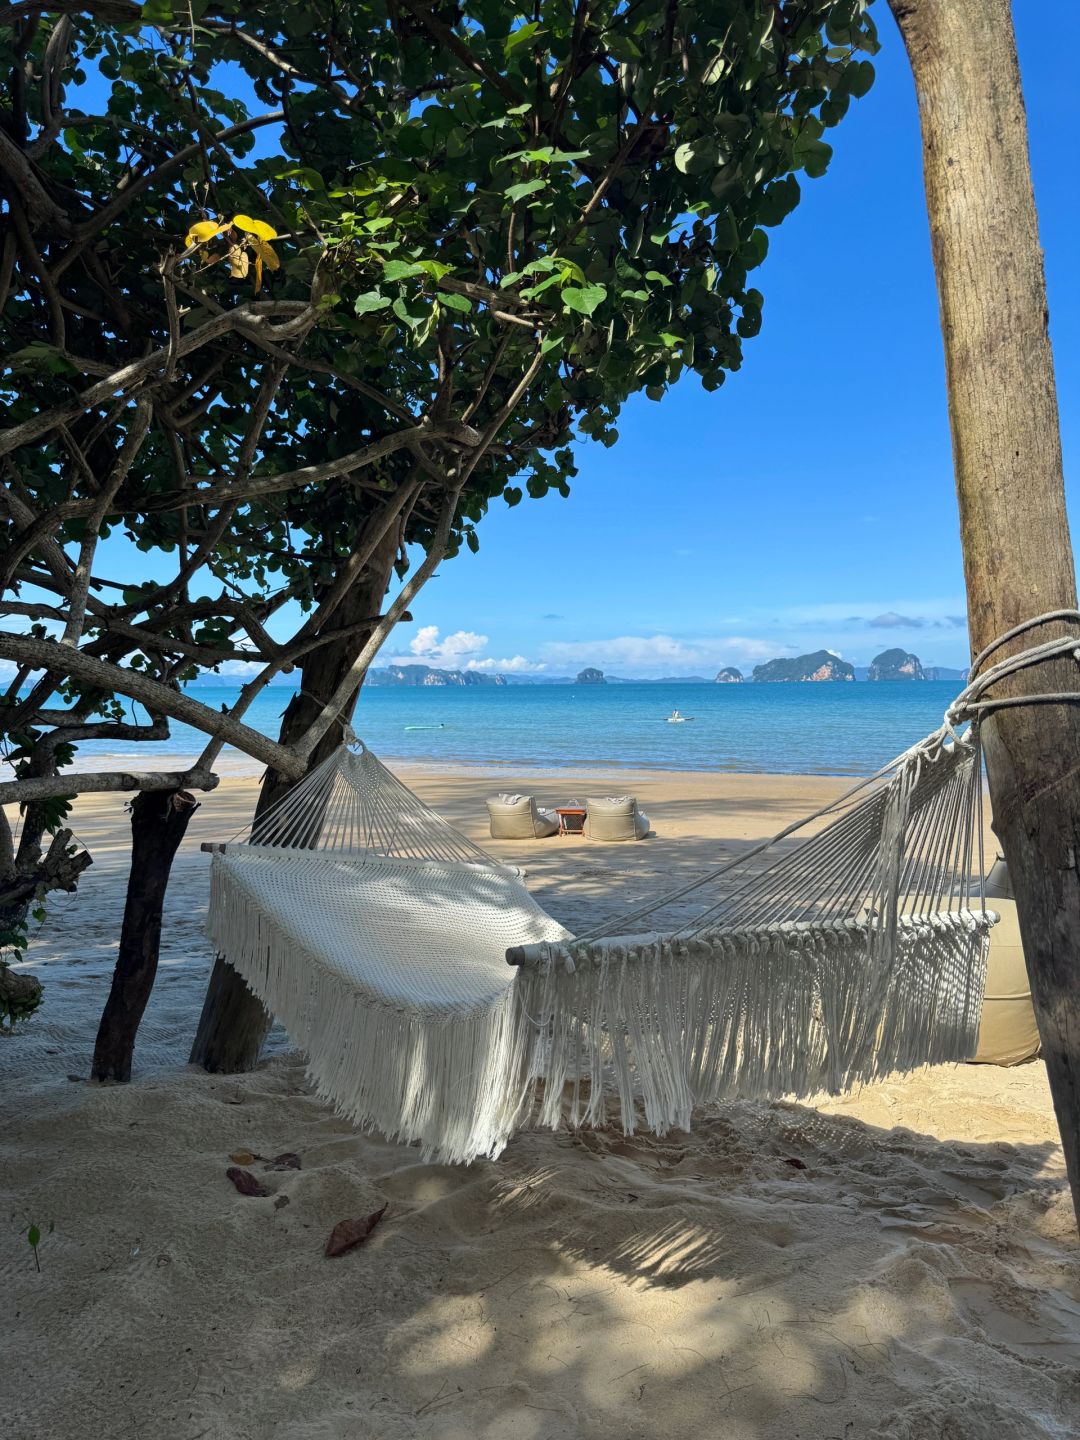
[[675, 715]]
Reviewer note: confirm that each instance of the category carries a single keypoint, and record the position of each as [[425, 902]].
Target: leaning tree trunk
[[159, 821], [234, 1022], [1007, 451]]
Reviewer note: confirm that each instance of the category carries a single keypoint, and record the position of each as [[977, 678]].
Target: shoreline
[[234, 765]]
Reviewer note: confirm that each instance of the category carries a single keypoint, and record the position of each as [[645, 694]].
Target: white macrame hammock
[[379, 935]]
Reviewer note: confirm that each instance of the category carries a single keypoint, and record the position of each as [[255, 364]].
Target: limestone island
[[410, 675], [896, 664], [819, 665]]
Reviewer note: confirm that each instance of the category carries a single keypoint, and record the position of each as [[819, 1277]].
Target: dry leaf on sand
[[245, 1182], [347, 1234]]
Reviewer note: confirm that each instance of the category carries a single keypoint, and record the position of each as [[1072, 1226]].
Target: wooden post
[[159, 821], [1003, 413]]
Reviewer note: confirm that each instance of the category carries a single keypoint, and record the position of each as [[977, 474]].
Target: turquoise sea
[[829, 728]]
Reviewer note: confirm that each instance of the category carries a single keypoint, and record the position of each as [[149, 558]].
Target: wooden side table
[[571, 819]]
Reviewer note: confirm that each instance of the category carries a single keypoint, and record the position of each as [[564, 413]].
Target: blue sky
[[808, 503]]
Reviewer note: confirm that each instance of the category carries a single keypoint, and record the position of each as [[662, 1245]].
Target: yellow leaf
[[265, 252], [201, 232], [254, 227], [238, 262], [258, 273]]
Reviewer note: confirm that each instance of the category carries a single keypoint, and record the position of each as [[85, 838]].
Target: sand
[[900, 1264]]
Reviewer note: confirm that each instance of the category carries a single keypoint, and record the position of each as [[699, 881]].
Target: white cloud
[[658, 654], [425, 640], [461, 650], [242, 669], [426, 645], [516, 665]]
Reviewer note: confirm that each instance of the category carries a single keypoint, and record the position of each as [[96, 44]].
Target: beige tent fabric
[[615, 818], [1008, 1033], [516, 817]]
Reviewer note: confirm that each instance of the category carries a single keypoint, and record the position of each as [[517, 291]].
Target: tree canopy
[[285, 291]]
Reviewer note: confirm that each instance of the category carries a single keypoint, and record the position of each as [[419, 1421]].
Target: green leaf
[[33, 1235], [570, 271], [369, 301], [401, 311], [834, 109], [523, 35], [693, 159], [814, 157], [761, 30], [524, 187], [715, 69], [453, 301], [583, 298], [859, 77], [779, 200], [551, 342], [548, 155], [401, 269], [532, 291], [755, 249], [623, 48]]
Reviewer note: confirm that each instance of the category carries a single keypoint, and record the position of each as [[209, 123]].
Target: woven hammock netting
[[850, 946]]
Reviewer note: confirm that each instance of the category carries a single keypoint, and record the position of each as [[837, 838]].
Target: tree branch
[[89, 782], [158, 698], [124, 379], [80, 580]]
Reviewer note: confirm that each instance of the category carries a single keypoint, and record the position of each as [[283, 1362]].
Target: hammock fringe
[[664, 1027], [379, 936], [443, 1081]]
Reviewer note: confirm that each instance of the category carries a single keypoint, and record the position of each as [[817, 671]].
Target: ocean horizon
[[828, 728]]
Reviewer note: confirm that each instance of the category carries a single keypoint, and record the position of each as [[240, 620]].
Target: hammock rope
[[849, 946]]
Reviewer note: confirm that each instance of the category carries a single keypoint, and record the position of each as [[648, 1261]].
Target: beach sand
[[898, 1264]]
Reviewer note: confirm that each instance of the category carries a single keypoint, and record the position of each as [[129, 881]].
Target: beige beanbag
[[615, 818], [1008, 1033], [516, 817]]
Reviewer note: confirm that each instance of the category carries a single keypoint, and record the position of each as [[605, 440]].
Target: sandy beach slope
[[900, 1264]]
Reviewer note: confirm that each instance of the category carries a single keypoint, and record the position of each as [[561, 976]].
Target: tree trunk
[[158, 824], [234, 1022], [1003, 414]]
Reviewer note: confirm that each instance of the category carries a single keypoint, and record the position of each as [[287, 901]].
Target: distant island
[[413, 675], [943, 672], [893, 664], [818, 665], [896, 664]]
